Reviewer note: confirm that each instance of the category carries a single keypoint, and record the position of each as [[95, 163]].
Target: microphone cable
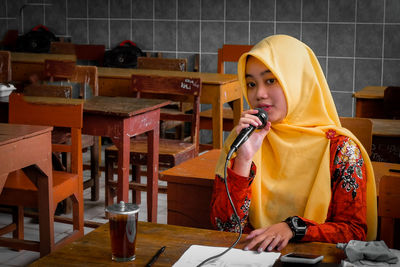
[[234, 210]]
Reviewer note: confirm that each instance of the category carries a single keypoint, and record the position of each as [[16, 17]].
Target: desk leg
[[237, 110], [3, 178], [217, 121], [46, 207], [152, 173], [123, 145]]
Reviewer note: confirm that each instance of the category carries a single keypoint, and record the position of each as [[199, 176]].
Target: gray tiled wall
[[356, 41]]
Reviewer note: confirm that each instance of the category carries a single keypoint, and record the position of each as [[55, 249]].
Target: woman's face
[[264, 90]]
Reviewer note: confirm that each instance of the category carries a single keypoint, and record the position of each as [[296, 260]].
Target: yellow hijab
[[293, 166]]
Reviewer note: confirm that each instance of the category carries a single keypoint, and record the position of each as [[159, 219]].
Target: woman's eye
[[270, 81], [251, 84]]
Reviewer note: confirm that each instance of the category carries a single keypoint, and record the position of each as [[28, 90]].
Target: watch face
[[298, 223]]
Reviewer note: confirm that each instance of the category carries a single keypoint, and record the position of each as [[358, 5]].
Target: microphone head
[[263, 116]]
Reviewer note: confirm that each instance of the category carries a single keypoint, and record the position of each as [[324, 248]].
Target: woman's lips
[[266, 107]]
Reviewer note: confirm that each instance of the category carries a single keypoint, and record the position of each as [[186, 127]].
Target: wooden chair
[[67, 70], [19, 191], [5, 66], [361, 128], [391, 101], [62, 48], [171, 151], [228, 53], [173, 64], [389, 208], [90, 53]]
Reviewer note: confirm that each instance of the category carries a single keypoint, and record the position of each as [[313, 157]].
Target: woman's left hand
[[275, 236]]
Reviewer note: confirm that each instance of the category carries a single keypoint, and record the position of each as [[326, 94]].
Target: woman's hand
[[246, 151], [275, 236]]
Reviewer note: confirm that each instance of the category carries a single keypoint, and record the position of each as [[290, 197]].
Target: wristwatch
[[298, 227]]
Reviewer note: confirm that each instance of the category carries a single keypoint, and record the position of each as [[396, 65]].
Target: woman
[[303, 176]]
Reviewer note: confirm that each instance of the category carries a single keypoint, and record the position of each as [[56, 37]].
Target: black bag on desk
[[38, 40], [123, 56]]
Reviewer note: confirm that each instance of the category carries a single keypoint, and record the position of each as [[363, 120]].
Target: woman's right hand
[[246, 151]]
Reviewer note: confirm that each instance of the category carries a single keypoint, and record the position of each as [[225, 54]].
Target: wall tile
[[340, 74], [78, 30], [315, 10], [212, 36], [368, 72], [142, 34], [209, 63], [369, 40], [292, 29], [190, 59], [212, 10], [3, 10], [98, 32], [120, 9], [33, 16], [120, 30], [341, 40], [13, 7], [260, 30], [165, 36], [237, 10], [77, 8], [391, 72], [262, 10], [315, 36], [342, 11], [392, 41], [56, 17], [165, 9], [236, 32], [98, 8], [344, 103], [189, 9], [370, 11], [288, 10], [3, 28], [142, 9], [188, 36], [392, 11]]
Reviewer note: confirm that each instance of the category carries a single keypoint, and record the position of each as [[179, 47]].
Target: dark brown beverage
[[123, 237]]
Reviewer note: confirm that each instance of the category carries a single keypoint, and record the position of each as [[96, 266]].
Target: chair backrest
[[5, 66], [156, 63], [361, 128], [391, 101], [59, 69], [388, 207], [90, 52], [87, 75], [62, 48], [58, 112], [183, 89], [230, 53], [48, 90]]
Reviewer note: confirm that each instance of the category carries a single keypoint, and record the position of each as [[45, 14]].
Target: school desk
[[386, 140], [369, 102], [28, 147], [217, 89], [94, 249]]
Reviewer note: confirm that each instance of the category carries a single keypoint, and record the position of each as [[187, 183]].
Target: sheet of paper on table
[[235, 257]]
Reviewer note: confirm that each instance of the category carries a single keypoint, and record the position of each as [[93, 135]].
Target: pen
[[155, 257]]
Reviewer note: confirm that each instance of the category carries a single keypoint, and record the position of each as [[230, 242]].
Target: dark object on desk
[[37, 40], [155, 257], [279, 263], [123, 56], [394, 170], [391, 99]]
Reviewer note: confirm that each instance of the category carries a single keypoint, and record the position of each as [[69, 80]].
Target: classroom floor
[[94, 211]]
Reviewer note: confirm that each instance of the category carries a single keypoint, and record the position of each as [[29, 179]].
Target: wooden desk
[[94, 249], [385, 140], [369, 102], [28, 147], [191, 181], [217, 89], [381, 169], [23, 65]]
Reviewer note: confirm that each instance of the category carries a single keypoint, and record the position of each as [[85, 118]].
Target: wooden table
[[28, 147], [385, 140], [23, 65], [369, 102], [217, 89], [191, 181], [94, 249]]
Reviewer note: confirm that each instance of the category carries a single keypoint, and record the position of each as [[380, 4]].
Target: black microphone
[[246, 132]]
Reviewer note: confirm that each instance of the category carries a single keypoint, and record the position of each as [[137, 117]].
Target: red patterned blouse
[[346, 218]]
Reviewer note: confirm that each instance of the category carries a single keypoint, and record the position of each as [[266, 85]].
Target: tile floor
[[94, 211]]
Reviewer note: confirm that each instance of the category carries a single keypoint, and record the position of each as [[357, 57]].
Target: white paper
[[234, 257]]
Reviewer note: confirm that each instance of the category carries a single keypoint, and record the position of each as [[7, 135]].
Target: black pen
[[155, 257]]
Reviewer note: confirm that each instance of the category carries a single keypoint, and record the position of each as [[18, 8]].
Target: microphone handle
[[242, 137]]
